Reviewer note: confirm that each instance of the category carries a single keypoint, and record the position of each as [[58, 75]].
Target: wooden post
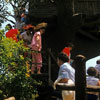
[[80, 78], [49, 69]]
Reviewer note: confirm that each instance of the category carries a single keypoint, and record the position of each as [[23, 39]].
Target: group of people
[[66, 75], [93, 79], [32, 39], [31, 35]]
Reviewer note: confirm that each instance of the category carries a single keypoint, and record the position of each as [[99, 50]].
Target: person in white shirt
[[27, 35], [66, 75], [92, 80]]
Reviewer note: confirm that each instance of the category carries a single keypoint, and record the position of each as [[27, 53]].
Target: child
[[92, 80], [36, 46], [67, 50]]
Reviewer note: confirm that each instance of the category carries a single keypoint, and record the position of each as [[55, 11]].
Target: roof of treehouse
[[42, 8], [87, 6], [45, 9]]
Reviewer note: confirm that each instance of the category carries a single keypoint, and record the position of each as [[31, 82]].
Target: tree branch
[[7, 19]]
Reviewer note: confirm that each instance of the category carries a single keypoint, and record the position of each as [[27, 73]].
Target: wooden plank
[[89, 88], [88, 0], [61, 87], [87, 34]]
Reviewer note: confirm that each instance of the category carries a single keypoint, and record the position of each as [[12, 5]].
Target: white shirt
[[66, 71], [25, 37], [91, 80], [97, 67]]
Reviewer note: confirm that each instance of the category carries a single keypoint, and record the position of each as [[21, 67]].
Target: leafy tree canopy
[[17, 6]]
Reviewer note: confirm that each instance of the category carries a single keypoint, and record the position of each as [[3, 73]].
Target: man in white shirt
[[66, 75]]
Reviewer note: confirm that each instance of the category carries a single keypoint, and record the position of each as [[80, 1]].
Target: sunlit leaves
[[14, 69]]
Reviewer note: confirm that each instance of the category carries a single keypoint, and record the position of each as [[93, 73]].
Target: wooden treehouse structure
[[89, 7], [76, 21], [89, 31], [83, 22]]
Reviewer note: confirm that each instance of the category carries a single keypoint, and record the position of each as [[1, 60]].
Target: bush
[[14, 70]]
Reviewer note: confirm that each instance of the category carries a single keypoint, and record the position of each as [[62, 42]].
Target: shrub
[[14, 70]]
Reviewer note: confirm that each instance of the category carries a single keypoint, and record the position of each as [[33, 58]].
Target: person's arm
[[56, 81], [38, 38], [98, 83], [64, 80], [63, 77]]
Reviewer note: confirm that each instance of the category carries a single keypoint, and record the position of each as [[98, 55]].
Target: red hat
[[28, 27]]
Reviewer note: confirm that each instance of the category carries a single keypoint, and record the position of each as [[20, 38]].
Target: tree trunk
[[66, 19]]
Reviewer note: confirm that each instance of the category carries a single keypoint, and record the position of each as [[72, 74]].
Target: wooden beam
[[60, 87], [87, 34], [88, 1], [89, 88]]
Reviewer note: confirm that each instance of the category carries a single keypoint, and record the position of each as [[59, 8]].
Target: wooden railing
[[89, 88], [80, 86]]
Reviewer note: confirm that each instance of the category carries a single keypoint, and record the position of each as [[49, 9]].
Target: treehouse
[[41, 10], [76, 21], [88, 7]]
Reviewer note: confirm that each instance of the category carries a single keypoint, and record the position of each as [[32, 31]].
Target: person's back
[[26, 38], [67, 49], [66, 75], [92, 80], [67, 70]]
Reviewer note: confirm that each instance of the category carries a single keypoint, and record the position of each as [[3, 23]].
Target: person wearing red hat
[[67, 50], [27, 34]]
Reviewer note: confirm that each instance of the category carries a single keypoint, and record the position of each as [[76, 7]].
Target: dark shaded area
[[45, 91], [65, 26]]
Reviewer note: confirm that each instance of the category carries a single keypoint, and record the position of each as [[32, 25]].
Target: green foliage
[[14, 79]]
